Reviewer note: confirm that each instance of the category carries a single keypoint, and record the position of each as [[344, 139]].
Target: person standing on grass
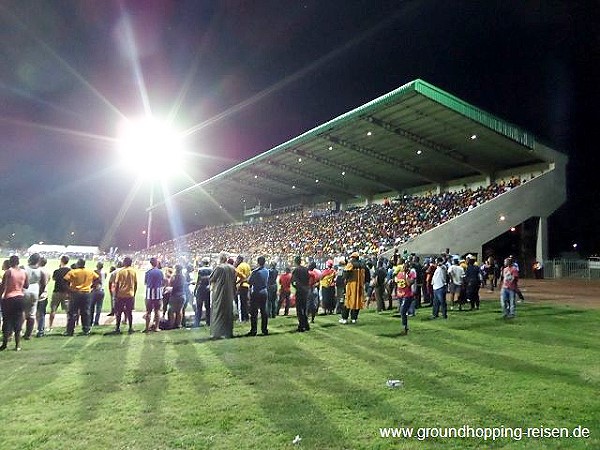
[[80, 284], [379, 288], [37, 283], [354, 273], [60, 294], [111, 287], [243, 270], [312, 304], [300, 281], [97, 295], [154, 281], [456, 276], [14, 281], [340, 287], [5, 267], [125, 290], [438, 283], [405, 278], [223, 293], [272, 291], [259, 280], [285, 283], [472, 282], [508, 294], [202, 292], [43, 301], [328, 287], [177, 297]]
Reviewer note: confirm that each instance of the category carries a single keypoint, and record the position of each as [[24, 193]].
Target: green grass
[[176, 389]]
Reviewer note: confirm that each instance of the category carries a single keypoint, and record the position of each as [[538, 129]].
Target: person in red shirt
[[508, 293], [285, 280], [405, 278], [312, 306]]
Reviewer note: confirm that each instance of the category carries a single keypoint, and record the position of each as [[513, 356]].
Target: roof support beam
[[449, 153], [352, 170], [334, 185], [385, 159], [279, 180]]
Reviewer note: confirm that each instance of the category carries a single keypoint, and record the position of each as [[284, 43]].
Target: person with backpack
[[405, 278]]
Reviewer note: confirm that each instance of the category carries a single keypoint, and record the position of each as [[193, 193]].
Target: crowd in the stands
[[370, 230]]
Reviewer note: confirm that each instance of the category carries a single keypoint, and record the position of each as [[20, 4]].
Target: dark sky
[[249, 75]]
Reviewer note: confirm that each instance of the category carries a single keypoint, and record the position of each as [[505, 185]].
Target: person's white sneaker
[[353, 320], [343, 321]]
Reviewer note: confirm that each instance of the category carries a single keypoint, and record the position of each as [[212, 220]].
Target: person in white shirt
[[456, 276], [439, 282]]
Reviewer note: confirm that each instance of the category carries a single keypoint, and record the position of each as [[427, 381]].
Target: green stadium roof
[[416, 135]]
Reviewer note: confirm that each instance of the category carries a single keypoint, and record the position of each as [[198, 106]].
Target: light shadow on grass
[[286, 400], [454, 345], [47, 370], [152, 369], [98, 378], [422, 374]]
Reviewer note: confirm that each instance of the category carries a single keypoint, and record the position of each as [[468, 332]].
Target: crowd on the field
[[352, 273], [219, 293]]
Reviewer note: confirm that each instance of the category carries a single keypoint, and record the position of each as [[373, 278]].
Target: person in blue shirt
[[258, 281]]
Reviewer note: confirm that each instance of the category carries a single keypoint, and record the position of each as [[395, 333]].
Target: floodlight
[[150, 146]]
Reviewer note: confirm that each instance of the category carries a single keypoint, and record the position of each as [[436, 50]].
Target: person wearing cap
[[328, 287], [354, 273], [154, 281], [202, 292]]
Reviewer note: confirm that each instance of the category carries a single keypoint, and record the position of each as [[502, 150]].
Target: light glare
[[150, 146]]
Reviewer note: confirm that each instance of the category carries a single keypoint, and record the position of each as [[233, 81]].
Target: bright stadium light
[[150, 146], [153, 149]]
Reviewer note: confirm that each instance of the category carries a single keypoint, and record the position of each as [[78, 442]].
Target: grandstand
[[414, 142]]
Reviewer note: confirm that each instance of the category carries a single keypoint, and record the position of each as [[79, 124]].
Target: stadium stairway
[[538, 197]]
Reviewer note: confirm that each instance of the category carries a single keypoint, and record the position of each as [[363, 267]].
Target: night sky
[[249, 75]]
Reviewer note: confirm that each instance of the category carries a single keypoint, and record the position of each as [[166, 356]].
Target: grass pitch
[[177, 389]]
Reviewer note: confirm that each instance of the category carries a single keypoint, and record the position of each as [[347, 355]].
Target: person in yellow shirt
[[80, 285], [125, 290], [243, 270]]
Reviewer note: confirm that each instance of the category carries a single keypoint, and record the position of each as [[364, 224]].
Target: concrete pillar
[[541, 246]]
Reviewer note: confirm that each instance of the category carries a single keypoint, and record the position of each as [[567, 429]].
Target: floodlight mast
[[150, 209], [141, 144]]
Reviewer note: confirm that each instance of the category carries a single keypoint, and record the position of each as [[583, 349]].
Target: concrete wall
[[539, 197]]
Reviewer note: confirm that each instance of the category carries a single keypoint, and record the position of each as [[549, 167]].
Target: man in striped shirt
[[154, 281]]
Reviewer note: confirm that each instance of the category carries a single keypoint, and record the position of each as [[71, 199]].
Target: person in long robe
[[354, 272], [223, 295]]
